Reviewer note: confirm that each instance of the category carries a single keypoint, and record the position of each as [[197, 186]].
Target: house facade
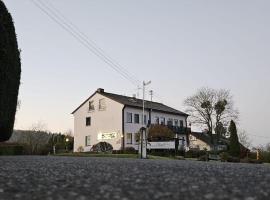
[[117, 119], [202, 141]]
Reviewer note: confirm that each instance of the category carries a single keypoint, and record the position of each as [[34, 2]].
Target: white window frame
[[86, 121], [88, 140], [127, 117], [129, 141], [91, 106], [135, 119], [102, 104]]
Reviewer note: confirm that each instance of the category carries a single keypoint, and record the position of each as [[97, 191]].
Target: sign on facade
[[107, 136], [161, 145]]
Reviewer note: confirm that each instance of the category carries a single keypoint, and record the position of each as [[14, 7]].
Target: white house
[[117, 119], [202, 141]]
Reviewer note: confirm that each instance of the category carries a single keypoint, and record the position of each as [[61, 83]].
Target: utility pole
[[138, 91], [143, 145], [151, 94]]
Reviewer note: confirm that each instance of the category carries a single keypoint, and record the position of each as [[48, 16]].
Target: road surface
[[49, 177]]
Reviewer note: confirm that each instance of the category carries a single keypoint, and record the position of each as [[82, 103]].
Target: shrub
[[265, 156], [11, 149], [80, 149], [130, 150], [102, 147], [160, 132], [195, 153], [162, 152], [224, 156]]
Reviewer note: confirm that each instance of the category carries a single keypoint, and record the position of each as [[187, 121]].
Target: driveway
[[49, 177]]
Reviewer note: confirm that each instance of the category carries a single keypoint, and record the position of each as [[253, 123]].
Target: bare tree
[[212, 109], [37, 137], [244, 139]]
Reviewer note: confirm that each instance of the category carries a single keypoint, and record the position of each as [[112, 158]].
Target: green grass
[[109, 155]]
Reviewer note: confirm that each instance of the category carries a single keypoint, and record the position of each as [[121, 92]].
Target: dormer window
[[91, 106], [102, 105]]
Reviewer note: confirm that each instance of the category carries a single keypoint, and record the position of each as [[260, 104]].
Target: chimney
[[134, 96], [100, 90]]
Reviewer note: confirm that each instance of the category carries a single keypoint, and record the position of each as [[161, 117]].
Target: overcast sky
[[179, 45]]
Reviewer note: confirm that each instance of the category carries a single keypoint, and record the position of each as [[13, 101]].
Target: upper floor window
[[87, 140], [129, 117], [170, 122], [88, 121], [162, 120], [91, 106], [101, 104], [136, 118], [181, 123], [176, 122], [156, 120]]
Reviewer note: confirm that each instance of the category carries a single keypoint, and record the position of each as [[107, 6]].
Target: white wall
[[106, 121], [134, 128], [197, 143]]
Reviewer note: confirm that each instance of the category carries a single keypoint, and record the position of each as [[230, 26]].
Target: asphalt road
[[48, 177]]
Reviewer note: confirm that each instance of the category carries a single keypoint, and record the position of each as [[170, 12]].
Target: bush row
[[12, 149]]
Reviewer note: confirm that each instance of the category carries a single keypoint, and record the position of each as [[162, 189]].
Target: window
[[162, 120], [137, 137], [88, 121], [101, 104], [144, 118], [129, 117], [129, 138], [176, 122], [157, 120], [170, 122], [87, 140], [136, 118], [91, 106], [181, 123]]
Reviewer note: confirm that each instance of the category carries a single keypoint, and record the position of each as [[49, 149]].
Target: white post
[[143, 146]]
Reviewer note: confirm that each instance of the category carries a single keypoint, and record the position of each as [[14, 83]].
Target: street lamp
[[67, 140], [143, 130]]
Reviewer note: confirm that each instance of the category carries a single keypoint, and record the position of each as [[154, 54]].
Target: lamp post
[[143, 130], [67, 140]]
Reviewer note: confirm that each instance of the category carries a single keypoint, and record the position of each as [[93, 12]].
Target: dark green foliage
[[234, 145], [10, 73], [160, 133], [102, 147], [193, 153], [11, 149]]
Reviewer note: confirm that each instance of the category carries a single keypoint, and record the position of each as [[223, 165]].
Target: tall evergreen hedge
[[234, 146], [10, 73]]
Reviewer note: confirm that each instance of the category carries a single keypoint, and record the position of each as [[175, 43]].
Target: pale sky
[[179, 45]]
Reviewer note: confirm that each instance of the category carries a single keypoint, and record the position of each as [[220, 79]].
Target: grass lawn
[[109, 155]]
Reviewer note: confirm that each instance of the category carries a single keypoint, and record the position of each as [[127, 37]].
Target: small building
[[117, 119], [202, 141]]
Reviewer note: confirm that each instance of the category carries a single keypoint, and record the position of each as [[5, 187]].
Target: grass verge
[[109, 155]]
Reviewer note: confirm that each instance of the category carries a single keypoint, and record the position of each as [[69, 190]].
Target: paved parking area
[[49, 177]]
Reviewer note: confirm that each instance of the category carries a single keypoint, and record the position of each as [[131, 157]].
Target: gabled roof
[[206, 138], [136, 103]]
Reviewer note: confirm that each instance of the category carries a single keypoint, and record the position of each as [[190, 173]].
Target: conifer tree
[[10, 73], [234, 146]]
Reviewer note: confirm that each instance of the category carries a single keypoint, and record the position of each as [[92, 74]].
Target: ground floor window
[[137, 137], [181, 123], [162, 120], [87, 140], [129, 138]]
